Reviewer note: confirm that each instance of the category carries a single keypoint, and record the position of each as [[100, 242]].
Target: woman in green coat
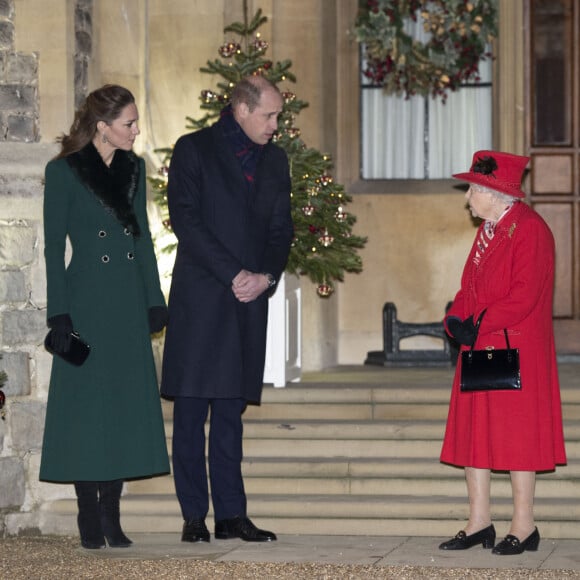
[[103, 419]]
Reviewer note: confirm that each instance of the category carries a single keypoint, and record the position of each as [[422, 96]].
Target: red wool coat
[[510, 430]]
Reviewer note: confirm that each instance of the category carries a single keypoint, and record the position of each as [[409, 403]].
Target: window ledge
[[407, 186]]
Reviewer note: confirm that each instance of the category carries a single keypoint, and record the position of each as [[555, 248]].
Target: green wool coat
[[103, 419]]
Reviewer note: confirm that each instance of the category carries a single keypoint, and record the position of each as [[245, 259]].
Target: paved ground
[[163, 556]]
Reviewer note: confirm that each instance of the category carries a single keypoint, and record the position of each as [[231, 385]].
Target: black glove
[[158, 317], [61, 326], [464, 332]]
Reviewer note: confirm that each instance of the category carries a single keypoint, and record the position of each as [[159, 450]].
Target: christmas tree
[[324, 247]]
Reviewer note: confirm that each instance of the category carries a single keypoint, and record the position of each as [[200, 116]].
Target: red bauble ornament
[[324, 290], [326, 239], [229, 49]]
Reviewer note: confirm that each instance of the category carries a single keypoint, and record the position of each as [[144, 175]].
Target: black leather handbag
[[491, 369], [76, 354]]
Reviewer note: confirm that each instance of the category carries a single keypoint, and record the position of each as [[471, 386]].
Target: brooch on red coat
[[512, 228]]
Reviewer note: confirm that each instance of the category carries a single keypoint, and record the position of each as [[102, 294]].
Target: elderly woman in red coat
[[509, 274]]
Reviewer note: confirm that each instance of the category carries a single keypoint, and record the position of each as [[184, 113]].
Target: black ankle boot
[[110, 495], [88, 519]]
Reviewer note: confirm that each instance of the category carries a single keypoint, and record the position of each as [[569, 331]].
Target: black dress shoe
[[510, 545], [195, 530], [462, 541], [242, 528]]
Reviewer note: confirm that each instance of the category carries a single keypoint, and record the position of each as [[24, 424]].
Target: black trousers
[[224, 457]]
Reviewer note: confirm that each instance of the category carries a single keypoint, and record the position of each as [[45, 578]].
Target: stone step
[[357, 456], [365, 486], [430, 515], [330, 439], [393, 430], [442, 528], [353, 412], [354, 448], [360, 412], [357, 403], [405, 392], [321, 468]]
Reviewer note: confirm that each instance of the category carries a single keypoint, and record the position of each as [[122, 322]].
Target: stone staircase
[[355, 452]]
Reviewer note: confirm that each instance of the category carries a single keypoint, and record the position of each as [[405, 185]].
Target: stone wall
[[22, 330], [18, 84]]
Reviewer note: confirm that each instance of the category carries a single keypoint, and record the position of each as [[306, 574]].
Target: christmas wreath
[[457, 34]]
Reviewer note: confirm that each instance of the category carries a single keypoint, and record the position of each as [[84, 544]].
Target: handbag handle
[[477, 328]]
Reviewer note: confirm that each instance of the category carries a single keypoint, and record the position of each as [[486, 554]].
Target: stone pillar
[[22, 287], [22, 330]]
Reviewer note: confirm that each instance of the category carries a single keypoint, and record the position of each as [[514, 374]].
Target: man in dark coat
[[229, 205]]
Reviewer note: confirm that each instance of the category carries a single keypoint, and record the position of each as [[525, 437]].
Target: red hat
[[499, 171]]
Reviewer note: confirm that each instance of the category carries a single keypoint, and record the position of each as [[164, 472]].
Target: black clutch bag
[[492, 369], [77, 352]]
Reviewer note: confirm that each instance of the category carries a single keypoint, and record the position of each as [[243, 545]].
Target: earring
[[105, 140]]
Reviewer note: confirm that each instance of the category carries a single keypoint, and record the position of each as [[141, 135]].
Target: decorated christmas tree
[[324, 247]]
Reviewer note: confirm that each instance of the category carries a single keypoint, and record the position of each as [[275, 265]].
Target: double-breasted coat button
[[127, 232], [105, 259], [130, 256], [102, 233]]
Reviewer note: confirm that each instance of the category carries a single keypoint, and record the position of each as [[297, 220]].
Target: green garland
[[458, 32]]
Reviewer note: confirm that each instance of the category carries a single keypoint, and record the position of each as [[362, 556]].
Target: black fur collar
[[115, 186]]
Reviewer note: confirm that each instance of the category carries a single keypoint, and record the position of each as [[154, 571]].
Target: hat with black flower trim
[[497, 170]]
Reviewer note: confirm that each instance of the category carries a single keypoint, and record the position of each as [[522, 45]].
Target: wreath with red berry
[[458, 33]]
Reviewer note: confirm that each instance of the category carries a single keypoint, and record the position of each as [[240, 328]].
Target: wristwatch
[[271, 280]]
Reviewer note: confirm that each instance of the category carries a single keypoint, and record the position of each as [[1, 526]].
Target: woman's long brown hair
[[104, 104]]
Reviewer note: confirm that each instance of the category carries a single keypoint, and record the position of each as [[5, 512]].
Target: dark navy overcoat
[[215, 345]]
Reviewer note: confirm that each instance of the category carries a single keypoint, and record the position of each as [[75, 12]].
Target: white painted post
[[284, 338]]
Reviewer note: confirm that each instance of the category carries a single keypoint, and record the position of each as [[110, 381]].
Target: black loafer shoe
[[195, 531], [462, 541], [510, 545], [242, 528]]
